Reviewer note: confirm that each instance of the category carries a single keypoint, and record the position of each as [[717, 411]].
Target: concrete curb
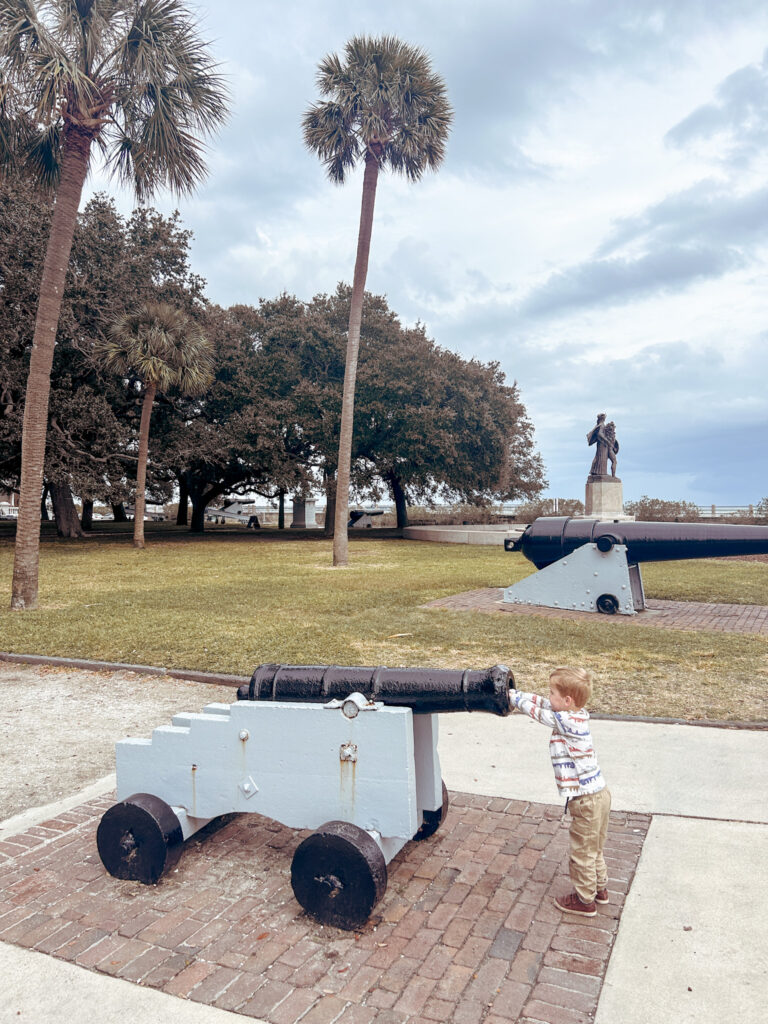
[[40, 988], [222, 679], [35, 815], [483, 533], [215, 678], [707, 723]]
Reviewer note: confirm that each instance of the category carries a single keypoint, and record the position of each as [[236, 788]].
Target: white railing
[[705, 511], [715, 511], [268, 513]]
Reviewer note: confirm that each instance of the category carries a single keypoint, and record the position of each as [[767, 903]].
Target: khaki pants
[[589, 826]]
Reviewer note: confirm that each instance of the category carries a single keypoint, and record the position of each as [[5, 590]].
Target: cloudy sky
[[599, 226]]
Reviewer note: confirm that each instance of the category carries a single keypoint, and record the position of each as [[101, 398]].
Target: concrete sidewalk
[[693, 940], [693, 937]]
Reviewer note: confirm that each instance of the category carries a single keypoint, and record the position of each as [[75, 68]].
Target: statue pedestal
[[604, 498], [304, 514]]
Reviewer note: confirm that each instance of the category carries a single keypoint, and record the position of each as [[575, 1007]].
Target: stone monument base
[[304, 514], [604, 498]]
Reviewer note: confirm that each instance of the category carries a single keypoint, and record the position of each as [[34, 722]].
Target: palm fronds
[[161, 345], [384, 98], [131, 74]]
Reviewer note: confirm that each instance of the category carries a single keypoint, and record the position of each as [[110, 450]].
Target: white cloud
[[598, 227]]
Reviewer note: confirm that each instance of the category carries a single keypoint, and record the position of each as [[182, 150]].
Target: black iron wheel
[[607, 604], [339, 874], [432, 820], [139, 838]]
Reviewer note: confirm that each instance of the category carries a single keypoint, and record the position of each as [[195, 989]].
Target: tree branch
[[119, 456]]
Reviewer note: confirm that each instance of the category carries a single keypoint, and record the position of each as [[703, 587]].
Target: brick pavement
[[466, 932], [685, 615]]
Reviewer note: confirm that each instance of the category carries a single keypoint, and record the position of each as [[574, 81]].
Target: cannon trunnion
[[594, 565], [335, 749]]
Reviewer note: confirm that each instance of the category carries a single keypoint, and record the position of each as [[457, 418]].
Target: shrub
[[658, 510], [449, 515], [546, 507]]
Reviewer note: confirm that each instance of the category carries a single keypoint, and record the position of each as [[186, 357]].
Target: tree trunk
[[330, 505], [281, 509], [86, 517], [118, 513], [141, 472], [64, 511], [200, 497], [399, 498], [44, 505], [199, 505], [341, 515], [26, 562], [183, 512]]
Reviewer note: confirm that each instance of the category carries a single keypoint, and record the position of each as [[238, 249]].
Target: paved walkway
[[466, 931], [686, 615]]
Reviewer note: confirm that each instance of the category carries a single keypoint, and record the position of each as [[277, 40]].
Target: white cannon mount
[[364, 776], [593, 578]]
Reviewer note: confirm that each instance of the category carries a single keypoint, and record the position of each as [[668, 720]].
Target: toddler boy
[[578, 779]]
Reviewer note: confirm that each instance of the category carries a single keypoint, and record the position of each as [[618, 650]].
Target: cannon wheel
[[139, 838], [432, 820], [339, 874], [607, 604]]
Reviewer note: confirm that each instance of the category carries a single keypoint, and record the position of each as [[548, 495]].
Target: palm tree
[[165, 349], [387, 107], [131, 76]]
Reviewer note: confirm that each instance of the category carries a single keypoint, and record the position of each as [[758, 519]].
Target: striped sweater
[[570, 745]]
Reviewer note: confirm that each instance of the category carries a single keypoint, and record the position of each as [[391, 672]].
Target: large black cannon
[[553, 537], [350, 753], [593, 565], [424, 690]]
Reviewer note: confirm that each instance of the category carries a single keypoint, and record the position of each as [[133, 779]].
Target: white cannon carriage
[[363, 774]]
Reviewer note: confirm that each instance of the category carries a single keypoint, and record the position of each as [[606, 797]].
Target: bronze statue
[[603, 436]]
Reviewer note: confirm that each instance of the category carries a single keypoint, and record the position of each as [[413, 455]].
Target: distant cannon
[[360, 518], [594, 565], [348, 752]]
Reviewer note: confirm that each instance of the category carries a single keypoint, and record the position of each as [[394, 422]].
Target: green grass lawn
[[227, 602]]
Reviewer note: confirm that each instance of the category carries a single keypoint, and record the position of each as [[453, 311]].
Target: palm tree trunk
[[27, 550], [141, 471], [341, 515]]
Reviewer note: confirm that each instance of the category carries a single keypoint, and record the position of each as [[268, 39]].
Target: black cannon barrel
[[550, 538], [425, 690]]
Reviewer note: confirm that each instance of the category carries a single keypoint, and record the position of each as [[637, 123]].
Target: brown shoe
[[571, 904], [601, 896]]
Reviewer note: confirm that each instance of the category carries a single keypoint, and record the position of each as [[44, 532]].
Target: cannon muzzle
[[551, 538], [424, 690]]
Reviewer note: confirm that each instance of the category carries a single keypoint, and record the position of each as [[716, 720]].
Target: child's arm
[[539, 708]]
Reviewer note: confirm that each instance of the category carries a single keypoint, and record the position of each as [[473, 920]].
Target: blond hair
[[574, 683]]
